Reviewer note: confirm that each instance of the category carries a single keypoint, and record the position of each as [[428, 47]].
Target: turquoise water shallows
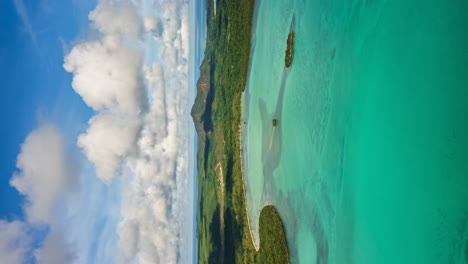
[[369, 161]]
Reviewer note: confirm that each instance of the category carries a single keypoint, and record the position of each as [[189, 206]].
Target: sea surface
[[369, 160]]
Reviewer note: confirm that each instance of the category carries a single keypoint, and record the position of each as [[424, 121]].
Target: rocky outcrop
[[289, 50]]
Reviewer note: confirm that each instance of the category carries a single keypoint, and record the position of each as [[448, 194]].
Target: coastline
[[334, 109], [255, 242], [245, 97], [224, 229], [253, 214]]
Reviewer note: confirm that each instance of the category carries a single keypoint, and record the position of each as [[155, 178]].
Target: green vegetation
[[273, 246], [289, 50], [223, 230]]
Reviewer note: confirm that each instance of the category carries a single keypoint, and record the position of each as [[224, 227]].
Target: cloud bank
[[142, 119]]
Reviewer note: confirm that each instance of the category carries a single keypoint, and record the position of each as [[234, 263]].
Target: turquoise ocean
[[369, 160]]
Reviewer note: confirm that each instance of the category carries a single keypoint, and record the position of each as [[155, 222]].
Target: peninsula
[[223, 229]]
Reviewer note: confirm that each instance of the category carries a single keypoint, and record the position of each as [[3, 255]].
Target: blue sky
[[95, 105], [34, 84]]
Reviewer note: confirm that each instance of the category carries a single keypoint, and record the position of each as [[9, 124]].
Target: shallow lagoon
[[369, 161]]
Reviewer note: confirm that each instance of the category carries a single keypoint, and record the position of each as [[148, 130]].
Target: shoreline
[[252, 238], [244, 110], [226, 233], [245, 98]]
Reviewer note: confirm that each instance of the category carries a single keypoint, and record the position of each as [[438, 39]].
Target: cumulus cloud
[[45, 171], [147, 135], [107, 141], [153, 24], [15, 242], [106, 75], [107, 71], [141, 124], [117, 18]]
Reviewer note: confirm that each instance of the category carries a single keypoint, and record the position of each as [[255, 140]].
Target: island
[[223, 228], [289, 49]]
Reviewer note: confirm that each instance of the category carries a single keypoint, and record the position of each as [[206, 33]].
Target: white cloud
[[149, 229], [150, 140], [45, 171], [174, 40], [107, 71], [118, 19], [107, 141], [153, 24], [154, 75], [184, 34], [106, 75], [152, 206], [55, 250], [15, 242]]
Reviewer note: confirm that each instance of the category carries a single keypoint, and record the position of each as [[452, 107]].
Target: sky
[[98, 147]]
